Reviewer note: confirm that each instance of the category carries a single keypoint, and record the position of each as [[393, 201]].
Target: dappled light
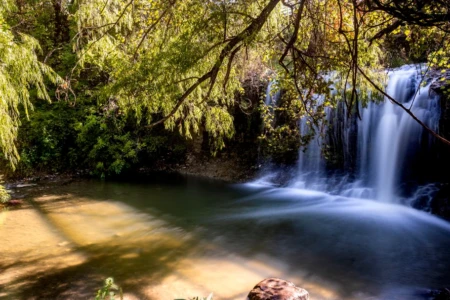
[[225, 149], [76, 242]]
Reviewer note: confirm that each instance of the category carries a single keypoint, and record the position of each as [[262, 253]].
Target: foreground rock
[[277, 289]]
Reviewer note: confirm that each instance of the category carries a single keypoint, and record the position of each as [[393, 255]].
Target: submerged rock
[[277, 289]]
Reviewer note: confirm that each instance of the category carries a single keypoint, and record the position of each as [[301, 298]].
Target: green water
[[167, 237]]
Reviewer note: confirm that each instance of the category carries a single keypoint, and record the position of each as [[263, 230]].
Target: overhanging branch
[[408, 111], [228, 51]]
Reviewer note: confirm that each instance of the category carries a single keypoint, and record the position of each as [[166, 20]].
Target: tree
[[21, 74], [181, 63]]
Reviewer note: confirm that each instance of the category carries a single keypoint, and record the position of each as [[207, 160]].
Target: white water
[[272, 98], [356, 211], [386, 142], [397, 135]]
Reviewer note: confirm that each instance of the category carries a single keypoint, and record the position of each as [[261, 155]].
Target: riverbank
[[227, 167]]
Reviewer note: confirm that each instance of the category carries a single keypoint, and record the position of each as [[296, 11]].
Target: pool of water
[[174, 237]]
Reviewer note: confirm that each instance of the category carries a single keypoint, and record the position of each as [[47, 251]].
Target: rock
[[440, 205], [14, 202], [442, 81], [25, 185], [443, 294], [277, 289]]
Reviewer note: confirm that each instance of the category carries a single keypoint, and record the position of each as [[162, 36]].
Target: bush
[[109, 290]]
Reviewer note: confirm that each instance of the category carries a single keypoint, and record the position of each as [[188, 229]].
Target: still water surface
[[174, 237]]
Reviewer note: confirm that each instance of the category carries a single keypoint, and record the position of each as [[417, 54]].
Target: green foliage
[[60, 137], [130, 65], [109, 291], [210, 297], [4, 195], [280, 137], [155, 52], [47, 140], [108, 148], [20, 70]]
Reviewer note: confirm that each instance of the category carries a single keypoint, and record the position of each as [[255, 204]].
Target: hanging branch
[[352, 46], [251, 30], [229, 66], [408, 111], [112, 25], [422, 13], [151, 27], [386, 30], [290, 47]]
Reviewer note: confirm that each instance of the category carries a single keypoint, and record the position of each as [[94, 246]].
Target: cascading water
[[397, 138], [387, 142], [272, 98], [344, 209], [311, 166]]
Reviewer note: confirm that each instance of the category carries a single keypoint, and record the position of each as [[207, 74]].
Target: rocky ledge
[[442, 81]]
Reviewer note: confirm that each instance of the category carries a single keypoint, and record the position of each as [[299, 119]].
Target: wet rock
[[443, 294], [23, 185], [14, 203], [442, 81], [277, 289], [440, 204]]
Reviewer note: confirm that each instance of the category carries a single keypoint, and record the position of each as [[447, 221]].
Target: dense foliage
[[138, 78], [20, 70]]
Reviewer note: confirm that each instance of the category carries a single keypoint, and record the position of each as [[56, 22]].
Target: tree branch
[[253, 28], [408, 111], [386, 30], [151, 27]]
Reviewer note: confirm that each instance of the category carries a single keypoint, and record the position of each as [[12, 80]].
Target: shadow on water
[[138, 249], [133, 268], [143, 233]]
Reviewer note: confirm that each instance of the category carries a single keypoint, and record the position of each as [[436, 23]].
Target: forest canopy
[[142, 64]]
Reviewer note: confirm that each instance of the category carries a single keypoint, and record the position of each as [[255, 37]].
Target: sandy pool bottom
[[62, 247]]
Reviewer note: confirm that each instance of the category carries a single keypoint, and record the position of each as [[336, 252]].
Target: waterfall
[[272, 98], [311, 166], [397, 138], [386, 147]]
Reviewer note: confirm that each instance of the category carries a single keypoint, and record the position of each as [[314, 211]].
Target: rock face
[[442, 82], [443, 294], [440, 205], [277, 289]]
